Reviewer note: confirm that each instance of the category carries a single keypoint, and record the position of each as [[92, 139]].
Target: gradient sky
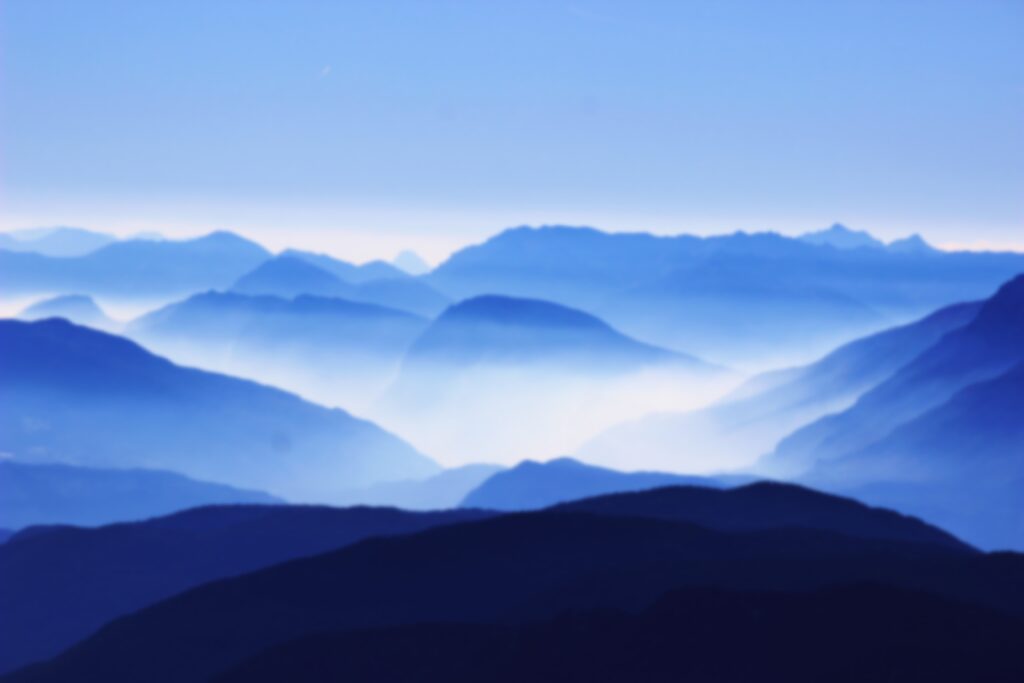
[[363, 127]]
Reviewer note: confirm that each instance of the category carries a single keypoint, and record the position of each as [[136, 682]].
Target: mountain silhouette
[[841, 237], [731, 298], [58, 586], [64, 494], [532, 485], [334, 351], [77, 308], [506, 330], [755, 417], [410, 262], [132, 269], [75, 395], [59, 242], [510, 569], [489, 365], [984, 348], [297, 273], [957, 464], [767, 505], [849, 633], [441, 491]]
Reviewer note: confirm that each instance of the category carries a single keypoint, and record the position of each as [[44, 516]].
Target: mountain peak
[[410, 262], [842, 237], [914, 244]]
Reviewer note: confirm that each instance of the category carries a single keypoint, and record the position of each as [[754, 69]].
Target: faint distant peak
[[914, 244], [411, 262], [841, 237]]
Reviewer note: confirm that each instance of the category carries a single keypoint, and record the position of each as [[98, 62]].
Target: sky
[[363, 127]]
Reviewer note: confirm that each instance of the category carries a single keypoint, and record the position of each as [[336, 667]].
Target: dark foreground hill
[[850, 633], [59, 584], [511, 569]]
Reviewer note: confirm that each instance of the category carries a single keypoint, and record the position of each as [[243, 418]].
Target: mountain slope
[[288, 276], [63, 494], [79, 396], [136, 268], [442, 491], [509, 569], [532, 485], [490, 365], [986, 347], [58, 242], [334, 351], [77, 308], [796, 299], [959, 464], [754, 418], [59, 586]]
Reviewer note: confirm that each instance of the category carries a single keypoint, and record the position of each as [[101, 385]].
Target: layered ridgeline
[[620, 553], [78, 308], [738, 298], [533, 485], [75, 395], [940, 436], [295, 272], [494, 377], [60, 241], [88, 496], [749, 422], [59, 584], [133, 269], [334, 351]]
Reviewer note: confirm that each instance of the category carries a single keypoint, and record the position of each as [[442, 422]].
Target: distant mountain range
[[749, 422], [488, 357], [621, 553], [59, 584], [296, 273], [332, 350], [85, 496], [59, 241], [533, 485], [133, 269], [77, 308], [738, 298], [841, 237], [438, 492], [75, 395]]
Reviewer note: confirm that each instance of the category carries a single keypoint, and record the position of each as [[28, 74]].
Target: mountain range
[[79, 396], [135, 269], [562, 371], [751, 420], [33, 494], [525, 567], [77, 308], [332, 350], [737, 299], [59, 241], [59, 584]]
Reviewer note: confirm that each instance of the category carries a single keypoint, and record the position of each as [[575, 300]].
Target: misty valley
[[560, 454]]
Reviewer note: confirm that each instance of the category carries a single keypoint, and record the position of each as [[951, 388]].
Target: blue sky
[[362, 127]]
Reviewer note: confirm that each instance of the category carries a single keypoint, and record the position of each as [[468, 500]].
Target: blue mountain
[[136, 268], [349, 272], [841, 237], [532, 485], [438, 492], [728, 297], [78, 308], [510, 331], [332, 350], [410, 262], [295, 273], [85, 496], [60, 241], [519, 568], [754, 418], [75, 395], [983, 349], [59, 584]]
